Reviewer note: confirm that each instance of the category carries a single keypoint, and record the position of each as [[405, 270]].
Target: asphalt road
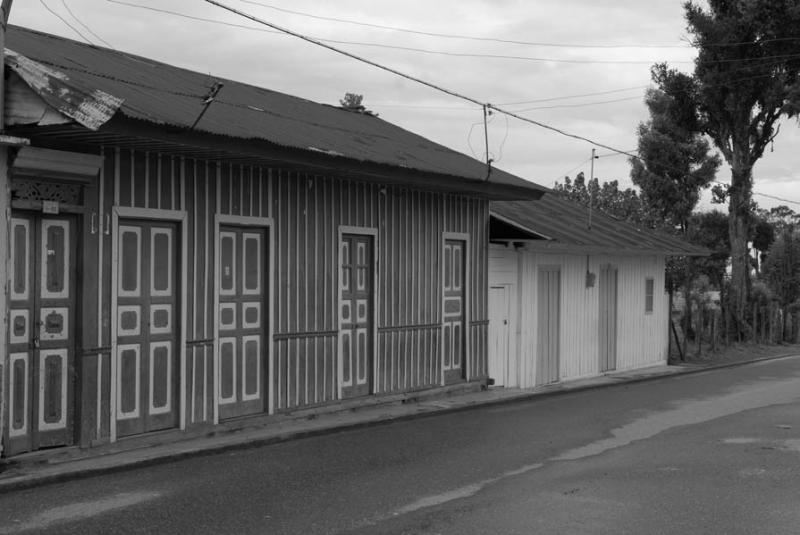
[[717, 452]]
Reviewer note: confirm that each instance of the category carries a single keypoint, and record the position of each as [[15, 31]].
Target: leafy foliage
[[625, 204], [746, 77], [781, 269], [674, 163]]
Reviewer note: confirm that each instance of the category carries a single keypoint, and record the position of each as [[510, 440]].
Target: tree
[[674, 163], [607, 198], [781, 271], [710, 229], [354, 102], [745, 79]]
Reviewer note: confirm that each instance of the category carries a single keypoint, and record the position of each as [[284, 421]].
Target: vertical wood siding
[[641, 338], [307, 211]]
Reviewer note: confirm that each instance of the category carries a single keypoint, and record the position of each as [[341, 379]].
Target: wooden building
[[186, 251], [572, 295]]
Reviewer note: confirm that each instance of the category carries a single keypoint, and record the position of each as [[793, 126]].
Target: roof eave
[[124, 132], [556, 247]]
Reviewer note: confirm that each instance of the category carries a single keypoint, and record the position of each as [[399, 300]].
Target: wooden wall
[[307, 211], [641, 337]]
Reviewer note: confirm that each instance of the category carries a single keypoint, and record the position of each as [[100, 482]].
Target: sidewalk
[[33, 470]]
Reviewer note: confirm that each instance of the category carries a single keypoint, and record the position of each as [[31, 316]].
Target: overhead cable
[[498, 40], [65, 21], [484, 105], [79, 21]]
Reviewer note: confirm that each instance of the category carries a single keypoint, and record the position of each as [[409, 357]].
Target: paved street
[[716, 452]]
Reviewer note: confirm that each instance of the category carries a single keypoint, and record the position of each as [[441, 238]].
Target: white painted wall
[[641, 338]]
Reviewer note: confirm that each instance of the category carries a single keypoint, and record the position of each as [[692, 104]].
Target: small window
[[649, 284]]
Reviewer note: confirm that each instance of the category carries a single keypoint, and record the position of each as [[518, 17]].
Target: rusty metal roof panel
[[163, 94], [566, 223]]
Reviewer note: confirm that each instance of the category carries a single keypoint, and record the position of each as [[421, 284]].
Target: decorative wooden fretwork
[[33, 190]]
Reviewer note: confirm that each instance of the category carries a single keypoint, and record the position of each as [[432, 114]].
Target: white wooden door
[[549, 326], [608, 319], [499, 358]]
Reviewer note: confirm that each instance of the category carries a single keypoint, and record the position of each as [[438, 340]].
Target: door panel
[[548, 332], [356, 310], [41, 332], [147, 327], [499, 335], [608, 319], [243, 347], [454, 313]]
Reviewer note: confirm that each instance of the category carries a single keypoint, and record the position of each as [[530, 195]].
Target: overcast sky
[[609, 47]]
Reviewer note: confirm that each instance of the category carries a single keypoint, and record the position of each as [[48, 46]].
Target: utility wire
[[581, 105], [66, 6], [65, 21], [433, 86], [566, 174], [455, 36], [498, 40], [551, 99], [446, 53], [428, 84], [345, 53]]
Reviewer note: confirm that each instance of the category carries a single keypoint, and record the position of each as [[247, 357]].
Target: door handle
[[35, 343]]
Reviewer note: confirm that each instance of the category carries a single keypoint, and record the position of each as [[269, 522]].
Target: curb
[[31, 480]]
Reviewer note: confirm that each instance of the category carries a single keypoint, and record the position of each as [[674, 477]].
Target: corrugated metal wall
[[307, 211], [641, 337]]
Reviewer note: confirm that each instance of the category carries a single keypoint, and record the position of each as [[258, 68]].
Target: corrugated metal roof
[[163, 94], [563, 224]]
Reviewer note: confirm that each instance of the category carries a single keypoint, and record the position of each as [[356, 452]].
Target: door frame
[[361, 231], [466, 238], [177, 216], [267, 223]]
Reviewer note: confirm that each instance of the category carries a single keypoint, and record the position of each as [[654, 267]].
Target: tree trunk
[[741, 192]]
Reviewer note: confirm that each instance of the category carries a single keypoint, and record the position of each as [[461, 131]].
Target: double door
[[42, 296], [148, 323], [454, 313], [243, 344], [356, 314]]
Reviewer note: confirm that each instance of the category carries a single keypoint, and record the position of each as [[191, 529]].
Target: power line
[[66, 6], [581, 105], [551, 99], [504, 41], [767, 195], [345, 53], [501, 56], [65, 21], [566, 174], [457, 36], [403, 48], [439, 88], [446, 53]]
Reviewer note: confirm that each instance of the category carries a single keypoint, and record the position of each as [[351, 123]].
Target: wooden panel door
[[499, 334], [148, 322], [549, 323], [356, 314], [42, 297], [243, 344], [454, 313], [608, 319]]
